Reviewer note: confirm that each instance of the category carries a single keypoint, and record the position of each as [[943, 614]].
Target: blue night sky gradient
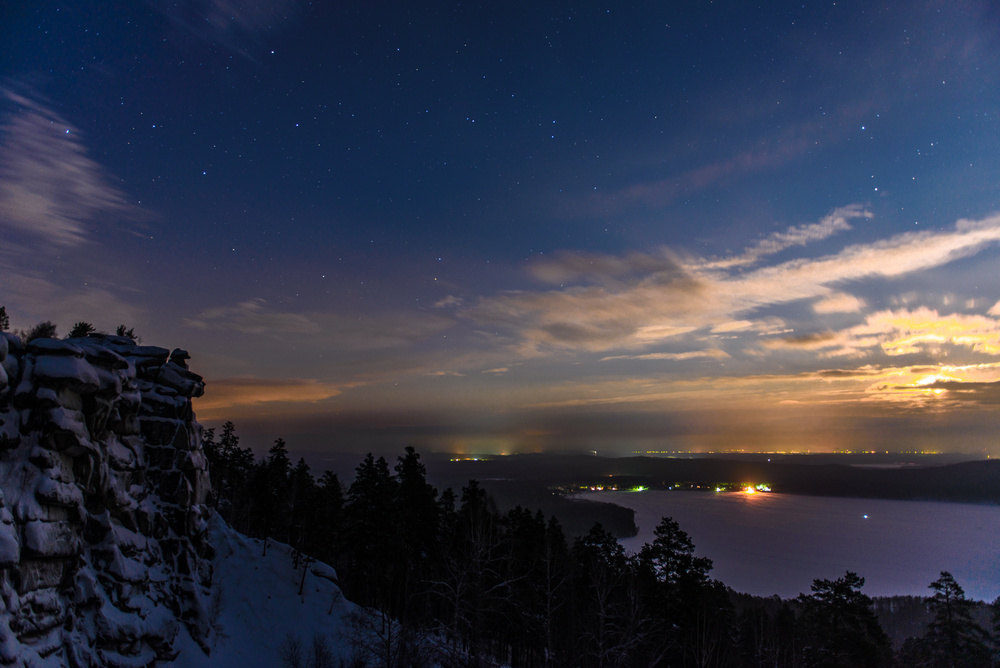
[[692, 225]]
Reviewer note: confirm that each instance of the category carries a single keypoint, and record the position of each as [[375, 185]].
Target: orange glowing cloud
[[906, 332], [226, 396]]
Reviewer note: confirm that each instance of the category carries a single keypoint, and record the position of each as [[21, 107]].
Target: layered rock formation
[[103, 485]]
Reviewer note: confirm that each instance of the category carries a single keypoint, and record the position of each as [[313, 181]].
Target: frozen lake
[[769, 543]]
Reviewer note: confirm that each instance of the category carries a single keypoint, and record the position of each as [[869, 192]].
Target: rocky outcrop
[[104, 552]]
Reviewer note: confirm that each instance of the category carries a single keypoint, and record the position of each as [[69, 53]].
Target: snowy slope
[[256, 604]]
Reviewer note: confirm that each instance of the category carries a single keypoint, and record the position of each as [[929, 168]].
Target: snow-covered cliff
[[104, 550]]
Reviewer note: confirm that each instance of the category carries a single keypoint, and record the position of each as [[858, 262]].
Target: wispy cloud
[[673, 300], [839, 302], [661, 192], [31, 296], [55, 201], [800, 235], [231, 24], [816, 341], [335, 332], [49, 187], [566, 267], [713, 353], [253, 317], [224, 397]]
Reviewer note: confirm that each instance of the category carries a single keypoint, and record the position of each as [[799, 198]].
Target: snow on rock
[[109, 552], [105, 557]]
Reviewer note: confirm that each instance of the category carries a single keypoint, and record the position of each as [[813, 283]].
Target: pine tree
[[329, 518], [686, 607], [954, 638], [419, 545], [371, 533], [556, 589], [607, 619], [302, 508], [671, 557], [128, 333], [840, 625], [81, 330], [230, 469]]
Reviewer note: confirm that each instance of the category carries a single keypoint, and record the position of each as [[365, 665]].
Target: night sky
[[502, 227]]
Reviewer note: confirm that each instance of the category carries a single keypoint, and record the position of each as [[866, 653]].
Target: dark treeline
[[486, 588]]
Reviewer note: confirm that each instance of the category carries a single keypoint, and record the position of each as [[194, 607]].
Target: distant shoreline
[[975, 481]]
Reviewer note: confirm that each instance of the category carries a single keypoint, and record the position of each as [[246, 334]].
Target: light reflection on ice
[[779, 543]]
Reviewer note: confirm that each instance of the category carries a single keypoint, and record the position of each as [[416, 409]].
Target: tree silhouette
[[128, 333], [840, 625], [419, 545], [43, 330], [953, 637], [370, 533], [81, 329], [679, 595]]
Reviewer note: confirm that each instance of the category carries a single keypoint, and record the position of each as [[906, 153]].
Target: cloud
[[839, 302], [769, 152], [732, 326], [888, 259], [226, 396], [846, 374], [49, 188], [938, 389], [254, 317], [600, 268], [801, 235], [31, 297], [905, 332], [980, 394], [814, 341], [451, 301], [660, 193], [712, 353], [331, 331], [684, 299], [592, 318], [231, 24], [763, 326]]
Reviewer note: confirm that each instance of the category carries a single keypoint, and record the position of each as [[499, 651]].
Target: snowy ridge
[[104, 551]]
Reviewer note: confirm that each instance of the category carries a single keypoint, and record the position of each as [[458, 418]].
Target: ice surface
[[779, 543]]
